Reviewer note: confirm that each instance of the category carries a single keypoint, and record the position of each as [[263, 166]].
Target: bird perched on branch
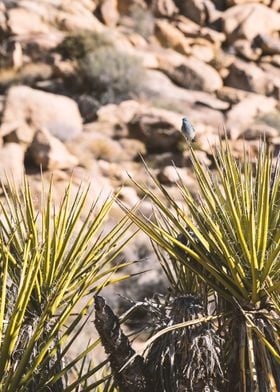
[[188, 130]]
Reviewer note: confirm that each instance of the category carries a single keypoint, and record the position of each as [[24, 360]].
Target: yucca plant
[[50, 259], [228, 239]]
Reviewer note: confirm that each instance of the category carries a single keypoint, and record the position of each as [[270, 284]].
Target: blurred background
[[88, 85]]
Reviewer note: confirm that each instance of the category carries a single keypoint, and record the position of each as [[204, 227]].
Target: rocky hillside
[[87, 85]]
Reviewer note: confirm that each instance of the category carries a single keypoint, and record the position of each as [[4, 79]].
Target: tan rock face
[[11, 162], [58, 114], [158, 129], [164, 8], [245, 50], [190, 73], [242, 115], [24, 22], [268, 45], [170, 37], [48, 152], [200, 11], [109, 12], [249, 20], [248, 76]]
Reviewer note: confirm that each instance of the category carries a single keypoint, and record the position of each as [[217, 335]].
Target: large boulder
[[165, 8], [243, 114], [11, 163], [109, 12], [48, 152], [157, 84], [189, 72], [268, 45], [58, 114], [25, 22], [194, 30], [248, 76], [170, 37], [249, 20], [200, 11], [158, 129]]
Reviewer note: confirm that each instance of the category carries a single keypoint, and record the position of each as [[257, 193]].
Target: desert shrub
[[143, 20], [112, 75], [77, 45]]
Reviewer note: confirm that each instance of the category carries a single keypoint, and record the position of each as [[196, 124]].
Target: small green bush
[[111, 74], [76, 46]]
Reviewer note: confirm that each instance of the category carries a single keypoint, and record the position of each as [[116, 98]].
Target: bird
[[188, 130]]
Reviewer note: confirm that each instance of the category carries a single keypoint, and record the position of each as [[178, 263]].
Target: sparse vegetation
[[107, 73], [112, 75], [78, 45]]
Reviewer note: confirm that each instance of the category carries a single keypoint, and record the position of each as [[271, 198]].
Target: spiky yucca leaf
[[230, 240], [49, 261]]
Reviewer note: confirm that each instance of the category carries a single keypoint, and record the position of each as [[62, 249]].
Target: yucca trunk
[[249, 365], [185, 359]]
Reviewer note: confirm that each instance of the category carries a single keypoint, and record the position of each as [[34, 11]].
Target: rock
[[170, 175], [268, 45], [205, 53], [193, 30], [129, 197], [95, 146], [3, 19], [249, 20], [275, 60], [200, 11], [259, 130], [73, 22], [22, 135], [24, 22], [132, 149], [34, 72], [57, 113], [115, 117], [109, 12], [158, 129], [237, 148], [88, 107], [99, 146], [189, 72], [48, 152], [147, 57], [202, 156], [243, 114], [170, 37], [273, 75], [11, 163], [275, 5], [245, 49], [207, 138], [248, 76], [165, 8], [230, 3], [157, 84], [124, 6], [232, 95]]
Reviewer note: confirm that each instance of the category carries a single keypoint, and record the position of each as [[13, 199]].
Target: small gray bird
[[188, 130]]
